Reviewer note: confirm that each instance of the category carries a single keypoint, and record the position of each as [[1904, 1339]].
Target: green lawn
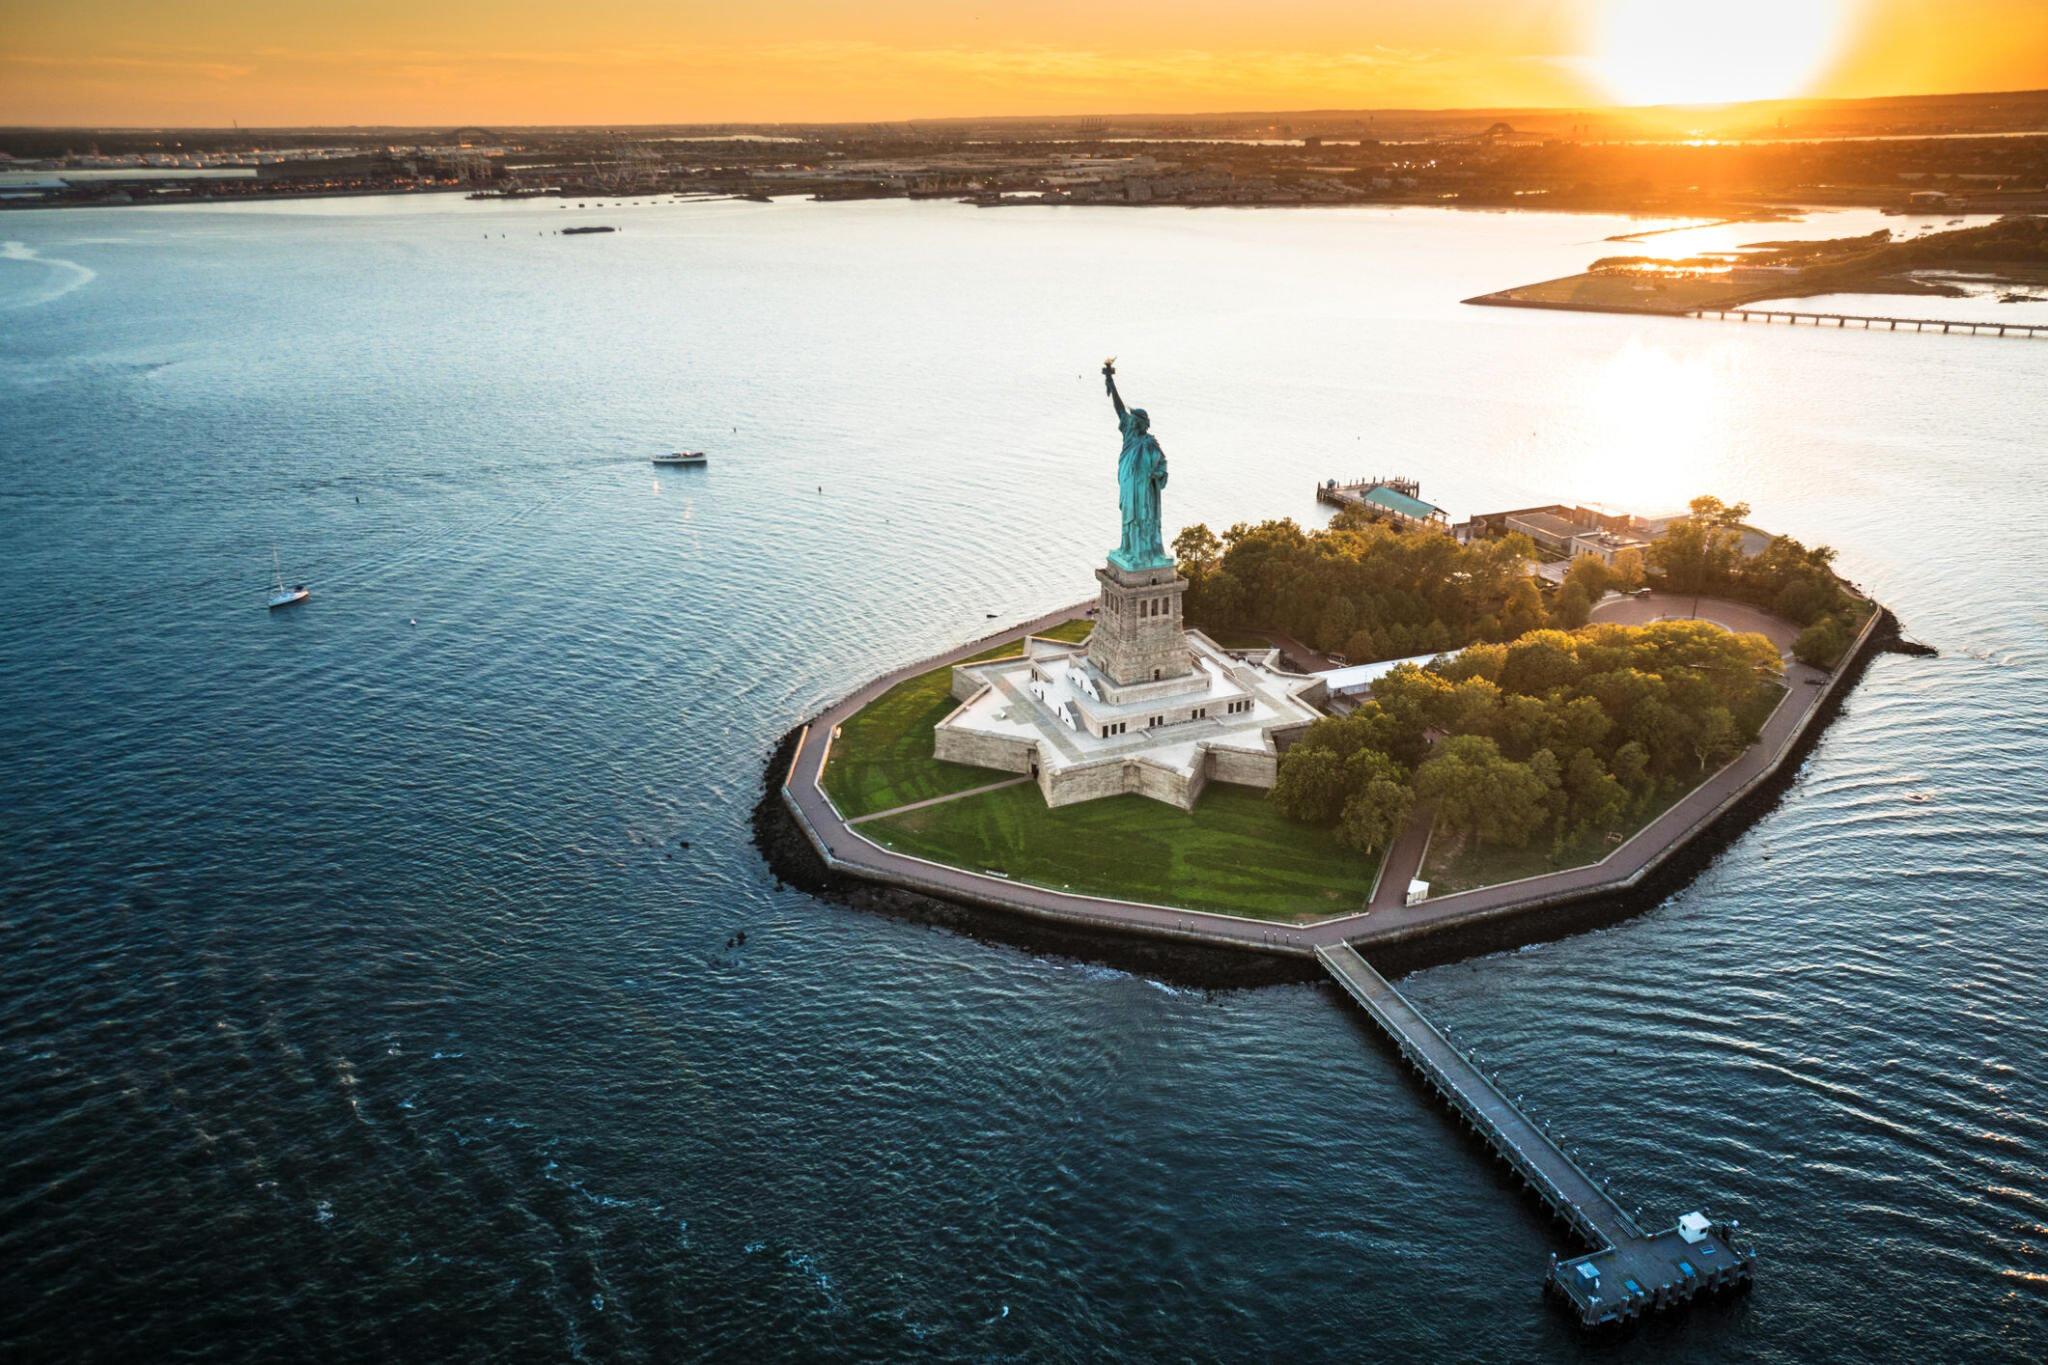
[[1073, 632], [1239, 639], [1234, 853], [883, 756]]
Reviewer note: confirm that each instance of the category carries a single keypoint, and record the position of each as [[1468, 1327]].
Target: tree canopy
[[1365, 588], [1702, 553], [1558, 731]]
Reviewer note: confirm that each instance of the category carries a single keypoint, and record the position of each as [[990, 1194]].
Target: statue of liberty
[[1140, 474]]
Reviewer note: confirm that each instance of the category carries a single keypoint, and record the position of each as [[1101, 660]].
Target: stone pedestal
[[1138, 633]]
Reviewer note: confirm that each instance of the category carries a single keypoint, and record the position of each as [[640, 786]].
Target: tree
[[1523, 725], [1596, 798], [1310, 785], [1701, 551], [1406, 741], [1469, 708], [1580, 723], [1663, 731], [1589, 572], [1805, 599], [1219, 599], [1571, 608], [1335, 628], [1714, 736], [1414, 697], [1548, 771], [1475, 661], [1198, 551], [1822, 643], [1627, 571], [1539, 662], [1523, 610], [1378, 804], [1632, 766], [1713, 512], [1480, 793], [1404, 593]]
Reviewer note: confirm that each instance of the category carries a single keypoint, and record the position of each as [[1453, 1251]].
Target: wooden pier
[[1627, 1272], [1397, 499], [2018, 329]]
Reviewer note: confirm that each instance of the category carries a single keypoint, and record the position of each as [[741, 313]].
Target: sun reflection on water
[[1653, 429]]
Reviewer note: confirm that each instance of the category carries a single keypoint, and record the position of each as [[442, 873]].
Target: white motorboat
[[682, 457], [280, 595]]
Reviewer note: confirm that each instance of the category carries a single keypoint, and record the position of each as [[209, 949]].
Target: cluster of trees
[[1703, 554], [1587, 579], [2016, 239], [1564, 732], [1365, 588]]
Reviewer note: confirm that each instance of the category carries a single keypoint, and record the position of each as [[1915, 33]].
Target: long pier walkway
[[1627, 1272], [2018, 329]]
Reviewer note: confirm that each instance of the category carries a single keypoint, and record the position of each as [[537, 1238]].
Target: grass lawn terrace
[[883, 756], [1234, 853]]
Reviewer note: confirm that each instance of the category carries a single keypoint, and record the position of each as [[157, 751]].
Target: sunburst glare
[[1657, 52]]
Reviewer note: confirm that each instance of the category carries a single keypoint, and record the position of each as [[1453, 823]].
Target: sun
[[1670, 52]]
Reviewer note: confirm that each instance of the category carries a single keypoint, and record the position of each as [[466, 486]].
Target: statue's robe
[[1140, 474]]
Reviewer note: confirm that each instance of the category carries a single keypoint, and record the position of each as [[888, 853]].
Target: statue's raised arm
[[1109, 382]]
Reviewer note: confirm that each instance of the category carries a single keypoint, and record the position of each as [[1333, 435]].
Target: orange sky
[[449, 62]]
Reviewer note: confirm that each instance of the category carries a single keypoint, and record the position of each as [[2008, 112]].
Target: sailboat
[[280, 595]]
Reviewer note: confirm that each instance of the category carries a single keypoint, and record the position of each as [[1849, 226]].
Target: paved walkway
[[1675, 606], [1299, 652], [1404, 859], [847, 851]]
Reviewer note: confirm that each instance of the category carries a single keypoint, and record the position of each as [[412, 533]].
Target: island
[[1396, 735], [1429, 737], [2010, 254]]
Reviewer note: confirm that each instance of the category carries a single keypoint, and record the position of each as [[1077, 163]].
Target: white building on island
[[1144, 707]]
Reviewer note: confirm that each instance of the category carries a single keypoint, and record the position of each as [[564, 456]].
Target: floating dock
[[2018, 329], [1627, 1272]]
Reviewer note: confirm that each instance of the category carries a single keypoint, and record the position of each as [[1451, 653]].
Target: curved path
[[1676, 606], [845, 850]]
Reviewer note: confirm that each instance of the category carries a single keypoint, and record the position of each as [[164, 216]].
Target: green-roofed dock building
[[1396, 499]]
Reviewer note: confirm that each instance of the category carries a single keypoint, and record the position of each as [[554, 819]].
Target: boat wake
[[70, 275]]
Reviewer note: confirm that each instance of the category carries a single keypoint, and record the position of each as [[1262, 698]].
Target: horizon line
[[1323, 112]]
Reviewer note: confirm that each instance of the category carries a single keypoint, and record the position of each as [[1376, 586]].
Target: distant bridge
[[2019, 329]]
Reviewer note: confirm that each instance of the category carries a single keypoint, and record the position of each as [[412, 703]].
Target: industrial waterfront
[[476, 1052]]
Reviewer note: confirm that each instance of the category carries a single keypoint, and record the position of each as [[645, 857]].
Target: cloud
[[87, 66]]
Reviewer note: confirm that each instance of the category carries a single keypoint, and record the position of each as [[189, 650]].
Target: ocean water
[[370, 979]]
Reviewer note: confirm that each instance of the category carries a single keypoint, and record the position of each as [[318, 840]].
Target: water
[[361, 1000]]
